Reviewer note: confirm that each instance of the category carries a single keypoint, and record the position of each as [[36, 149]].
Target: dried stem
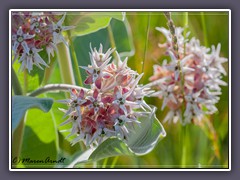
[[171, 27]]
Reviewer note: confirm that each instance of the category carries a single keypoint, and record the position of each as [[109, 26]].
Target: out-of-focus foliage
[[207, 143]]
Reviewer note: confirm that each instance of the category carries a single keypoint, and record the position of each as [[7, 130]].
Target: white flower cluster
[[189, 85]]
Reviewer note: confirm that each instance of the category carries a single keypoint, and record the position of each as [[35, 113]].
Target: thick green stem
[[17, 139], [17, 89], [25, 83], [204, 29], [48, 71], [75, 64], [74, 58], [146, 42], [65, 64], [184, 146], [17, 135], [112, 42]]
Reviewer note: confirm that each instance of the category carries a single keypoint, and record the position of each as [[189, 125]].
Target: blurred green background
[[207, 146]]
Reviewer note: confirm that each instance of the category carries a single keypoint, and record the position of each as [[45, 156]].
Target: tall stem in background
[[112, 42], [17, 89], [74, 58], [184, 146], [65, 64], [204, 29], [171, 27], [146, 42], [184, 127], [75, 63]]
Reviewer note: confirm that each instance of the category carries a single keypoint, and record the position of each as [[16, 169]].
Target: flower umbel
[[113, 104], [189, 84], [34, 32]]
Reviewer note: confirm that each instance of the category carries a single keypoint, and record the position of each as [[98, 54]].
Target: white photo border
[[122, 10]]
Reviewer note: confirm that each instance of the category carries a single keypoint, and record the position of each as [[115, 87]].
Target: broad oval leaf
[[21, 103], [140, 142], [40, 141], [89, 22]]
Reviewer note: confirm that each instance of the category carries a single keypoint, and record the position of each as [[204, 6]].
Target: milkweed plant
[[104, 112]]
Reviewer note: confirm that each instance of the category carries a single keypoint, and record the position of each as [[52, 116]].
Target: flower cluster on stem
[[190, 84], [33, 32], [111, 107]]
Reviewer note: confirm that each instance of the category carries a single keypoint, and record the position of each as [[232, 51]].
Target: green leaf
[[117, 15], [21, 103], [110, 148], [123, 40], [141, 141], [89, 22], [40, 140], [147, 135]]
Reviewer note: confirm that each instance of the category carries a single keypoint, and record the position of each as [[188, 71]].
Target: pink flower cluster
[[190, 85], [108, 109], [33, 32]]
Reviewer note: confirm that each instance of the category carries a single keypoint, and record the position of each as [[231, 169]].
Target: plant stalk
[[65, 64], [184, 146], [17, 139], [171, 27], [54, 88], [185, 29], [74, 59], [17, 135], [112, 42], [17, 89], [146, 41], [184, 127], [204, 29]]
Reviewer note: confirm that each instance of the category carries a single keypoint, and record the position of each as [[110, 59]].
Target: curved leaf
[[147, 135], [21, 103], [40, 141], [140, 142], [89, 22]]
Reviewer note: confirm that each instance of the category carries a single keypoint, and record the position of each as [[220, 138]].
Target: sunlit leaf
[[21, 103], [89, 22], [39, 140], [140, 142]]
